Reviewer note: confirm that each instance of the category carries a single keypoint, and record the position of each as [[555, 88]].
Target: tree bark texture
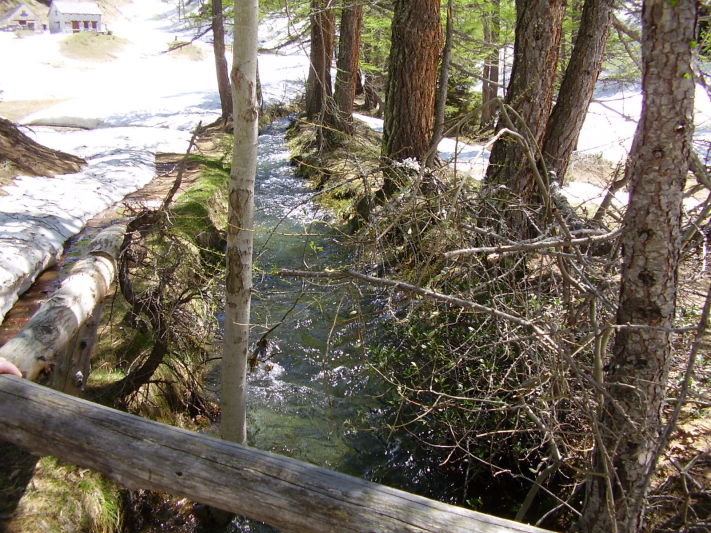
[[636, 381], [223, 76], [490, 82], [577, 87], [33, 158], [529, 94], [318, 83], [50, 330], [411, 90], [347, 66], [442, 85], [240, 223], [288, 494]]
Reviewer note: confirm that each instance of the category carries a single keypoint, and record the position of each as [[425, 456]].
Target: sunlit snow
[[144, 101]]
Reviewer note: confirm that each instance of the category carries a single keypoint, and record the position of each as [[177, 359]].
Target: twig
[[181, 169], [534, 245]]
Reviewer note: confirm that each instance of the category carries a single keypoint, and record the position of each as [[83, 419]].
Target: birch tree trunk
[[45, 337], [630, 419], [240, 222]]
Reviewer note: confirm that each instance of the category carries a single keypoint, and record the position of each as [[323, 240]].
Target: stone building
[[74, 17], [21, 18]]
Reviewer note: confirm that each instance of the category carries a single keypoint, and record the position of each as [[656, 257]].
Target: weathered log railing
[[136, 452], [283, 492]]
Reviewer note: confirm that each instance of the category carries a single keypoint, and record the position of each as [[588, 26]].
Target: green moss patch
[[344, 171]]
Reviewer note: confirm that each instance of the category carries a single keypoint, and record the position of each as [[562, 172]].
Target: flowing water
[[309, 395]]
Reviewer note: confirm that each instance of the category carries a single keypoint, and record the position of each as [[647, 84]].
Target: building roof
[[15, 13], [80, 8]]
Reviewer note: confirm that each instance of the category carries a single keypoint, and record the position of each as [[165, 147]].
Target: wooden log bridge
[[283, 492]]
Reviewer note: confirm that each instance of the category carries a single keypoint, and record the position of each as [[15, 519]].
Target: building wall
[[21, 18], [72, 22]]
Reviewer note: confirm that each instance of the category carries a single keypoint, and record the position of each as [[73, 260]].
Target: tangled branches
[[499, 358]]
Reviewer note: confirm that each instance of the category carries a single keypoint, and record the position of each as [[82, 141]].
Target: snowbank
[[145, 101]]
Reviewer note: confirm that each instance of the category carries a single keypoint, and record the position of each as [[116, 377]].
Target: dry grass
[[189, 51], [17, 109], [66, 498], [89, 46]]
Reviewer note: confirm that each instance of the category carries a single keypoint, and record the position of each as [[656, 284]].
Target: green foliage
[[454, 393], [463, 104], [376, 39]]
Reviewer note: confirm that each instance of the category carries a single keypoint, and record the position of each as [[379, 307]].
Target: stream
[[309, 397]]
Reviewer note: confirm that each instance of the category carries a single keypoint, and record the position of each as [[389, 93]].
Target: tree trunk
[[577, 87], [490, 82], [530, 95], [443, 85], [46, 335], [291, 495], [630, 426], [223, 78], [412, 83], [240, 223], [341, 118], [318, 83], [33, 158]]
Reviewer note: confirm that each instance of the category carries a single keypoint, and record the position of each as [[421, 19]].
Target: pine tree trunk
[[412, 83], [240, 223], [636, 381], [318, 83], [490, 83], [341, 118], [530, 95], [223, 78], [577, 87], [442, 85]]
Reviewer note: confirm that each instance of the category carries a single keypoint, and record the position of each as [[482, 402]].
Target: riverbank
[[474, 351]]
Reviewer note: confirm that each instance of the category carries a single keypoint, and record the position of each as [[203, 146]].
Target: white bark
[[240, 222], [47, 334]]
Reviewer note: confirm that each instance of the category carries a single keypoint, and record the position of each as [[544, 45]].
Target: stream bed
[[312, 392]]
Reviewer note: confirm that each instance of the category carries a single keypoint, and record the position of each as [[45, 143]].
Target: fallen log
[[283, 492], [33, 158], [38, 346]]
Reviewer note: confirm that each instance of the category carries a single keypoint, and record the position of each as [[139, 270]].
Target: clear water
[[303, 399], [310, 398]]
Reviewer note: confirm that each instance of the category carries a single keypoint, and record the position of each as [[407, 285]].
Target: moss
[[343, 172]]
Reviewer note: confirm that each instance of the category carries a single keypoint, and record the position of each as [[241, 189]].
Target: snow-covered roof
[[82, 8]]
